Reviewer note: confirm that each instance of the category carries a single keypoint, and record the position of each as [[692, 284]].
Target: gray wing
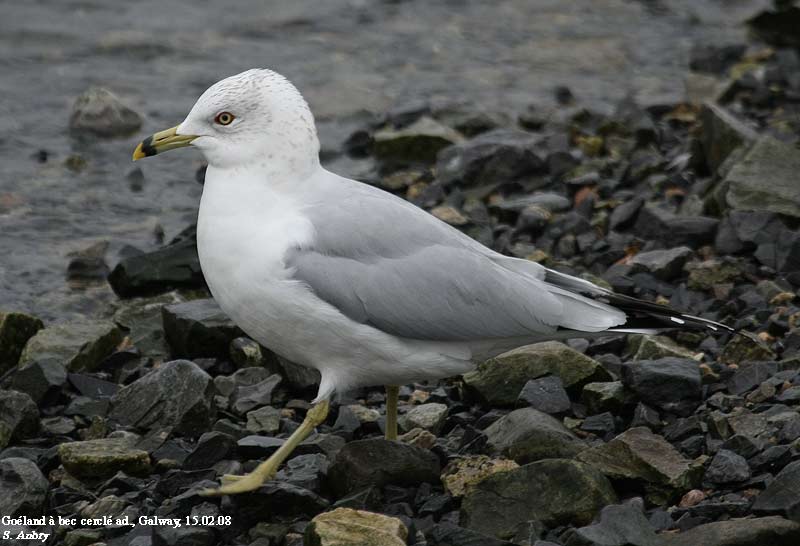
[[384, 262]]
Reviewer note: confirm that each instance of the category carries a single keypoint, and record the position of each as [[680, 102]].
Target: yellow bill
[[165, 140]]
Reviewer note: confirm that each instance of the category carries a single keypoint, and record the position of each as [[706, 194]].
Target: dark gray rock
[[766, 179], [772, 531], [258, 447], [545, 394], [528, 435], [782, 496], [624, 215], [608, 396], [495, 157], [447, 534], [100, 112], [553, 491], [658, 224], [211, 448], [307, 471], [727, 467], [198, 328], [722, 134], [178, 395], [672, 384], [184, 536], [174, 266], [713, 58], [378, 462], [42, 380], [418, 142], [283, 501], [618, 525], [78, 344], [23, 488], [15, 331], [19, 417], [265, 420], [664, 264], [249, 397]]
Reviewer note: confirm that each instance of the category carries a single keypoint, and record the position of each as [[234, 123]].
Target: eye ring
[[224, 118]]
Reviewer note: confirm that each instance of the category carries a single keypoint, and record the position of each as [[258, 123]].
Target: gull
[[353, 281]]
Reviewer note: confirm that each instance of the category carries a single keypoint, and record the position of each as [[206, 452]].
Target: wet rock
[[95, 459], [774, 531], [618, 525], [429, 417], [462, 473], [100, 112], [646, 347], [147, 274], [608, 396], [545, 394], [782, 496], [19, 417], [672, 384], [499, 380], [658, 224], [527, 435], [346, 527], [638, 454], [766, 179], [664, 264], [722, 134], [266, 420], [89, 263], [198, 328], [42, 380], [415, 143], [178, 395], [378, 462], [15, 331], [23, 488], [495, 157], [78, 345], [727, 467], [552, 491]]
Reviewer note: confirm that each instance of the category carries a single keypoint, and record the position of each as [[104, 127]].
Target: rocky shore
[[110, 425]]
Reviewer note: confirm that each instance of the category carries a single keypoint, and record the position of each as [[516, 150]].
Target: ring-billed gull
[[353, 281]]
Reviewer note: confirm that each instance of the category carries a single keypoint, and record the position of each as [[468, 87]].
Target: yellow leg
[[391, 411], [266, 470]]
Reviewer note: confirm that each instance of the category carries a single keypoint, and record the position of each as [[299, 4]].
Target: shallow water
[[347, 56]]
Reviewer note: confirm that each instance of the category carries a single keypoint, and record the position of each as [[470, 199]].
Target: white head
[[253, 119]]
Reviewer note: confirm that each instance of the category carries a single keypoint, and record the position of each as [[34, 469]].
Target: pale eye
[[224, 118]]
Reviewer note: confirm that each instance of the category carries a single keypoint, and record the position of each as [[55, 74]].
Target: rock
[[450, 215], [608, 396], [19, 417], [183, 536], [258, 447], [658, 224], [248, 397], [766, 179], [777, 27], [772, 531], [672, 384], [95, 459], [418, 437], [266, 420], [447, 534], [495, 157], [545, 394], [499, 380], [727, 467], [527, 435], [178, 395], [282, 501], [198, 328], [245, 353], [147, 274], [663, 264], [647, 347], [709, 274], [141, 317], [429, 417], [722, 134], [88, 264], [23, 488], [307, 471], [100, 112], [618, 525], [79, 345], [743, 348], [715, 59], [553, 491], [211, 448], [378, 462], [348, 527], [15, 331], [418, 142], [782, 495], [462, 473], [638, 454], [42, 380]]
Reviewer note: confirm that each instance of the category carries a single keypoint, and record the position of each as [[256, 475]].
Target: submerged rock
[[178, 395], [499, 380], [347, 527], [80, 345], [100, 112], [528, 435], [15, 331], [553, 491]]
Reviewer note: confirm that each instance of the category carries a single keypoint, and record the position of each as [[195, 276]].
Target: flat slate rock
[[769, 531], [198, 328], [618, 525], [782, 495], [23, 487]]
